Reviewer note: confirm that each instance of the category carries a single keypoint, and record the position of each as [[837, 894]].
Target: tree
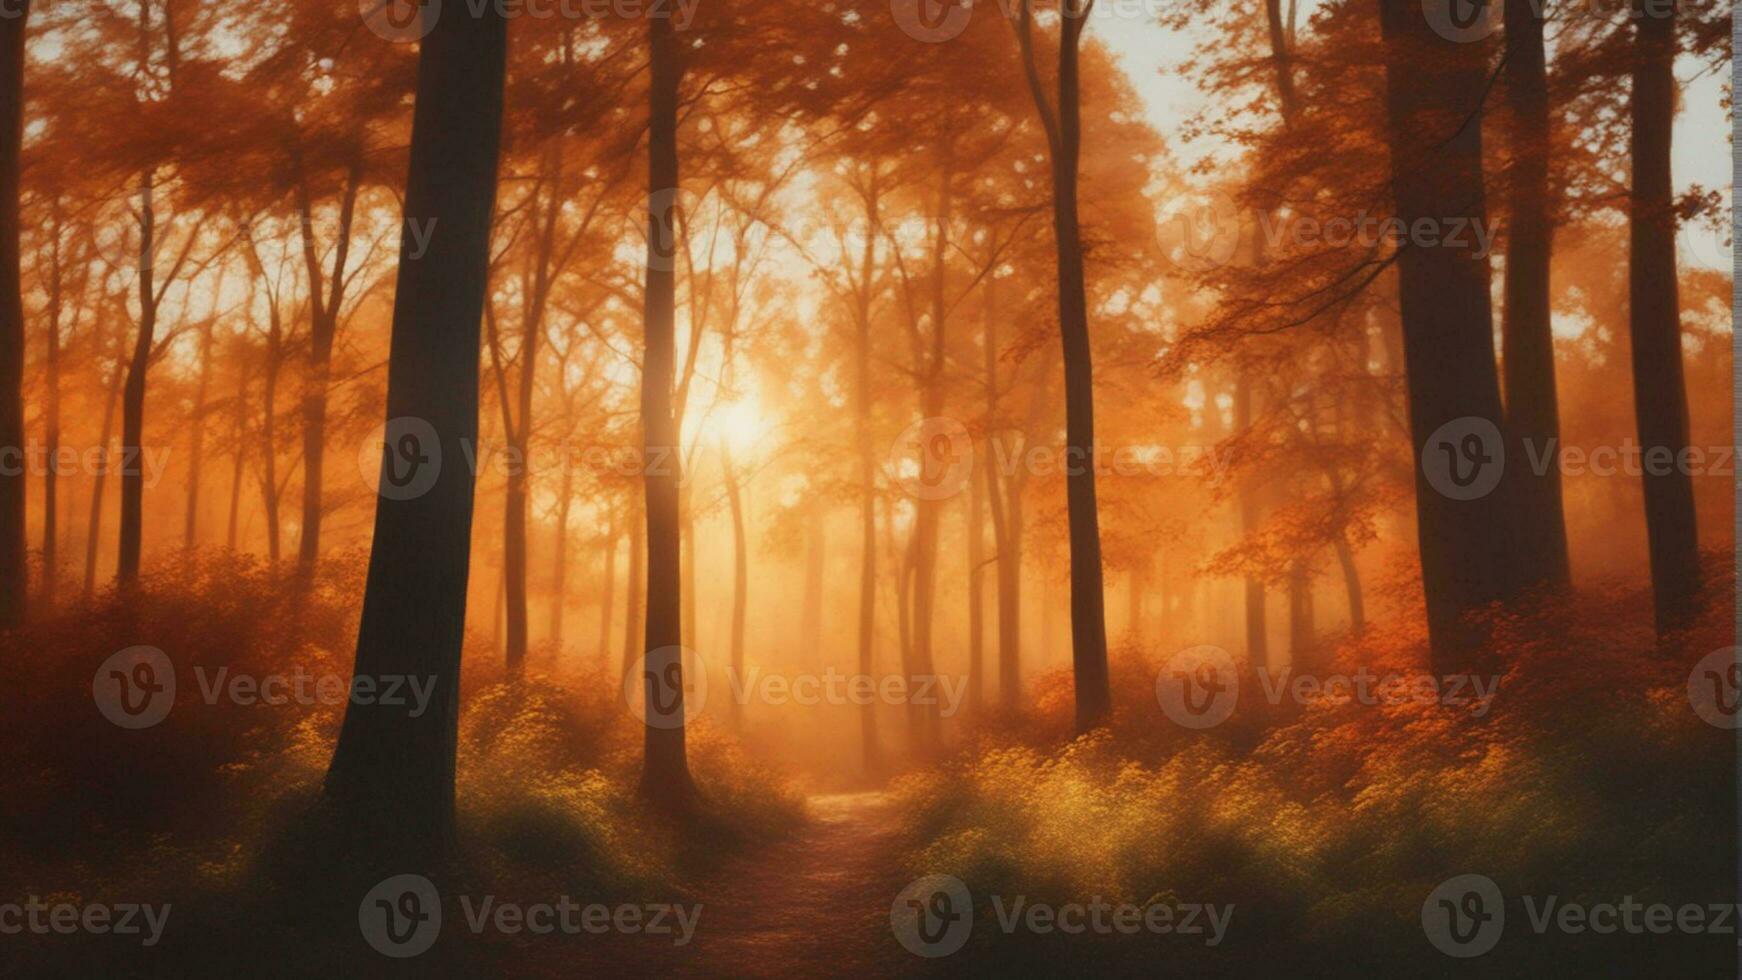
[[1434, 90], [1660, 395], [14, 581], [392, 774], [1063, 124], [1532, 409]]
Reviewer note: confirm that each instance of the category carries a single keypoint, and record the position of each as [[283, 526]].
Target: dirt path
[[815, 904]]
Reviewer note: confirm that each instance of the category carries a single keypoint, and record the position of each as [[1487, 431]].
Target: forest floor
[[814, 904]]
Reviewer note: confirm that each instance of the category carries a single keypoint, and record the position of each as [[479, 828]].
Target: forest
[[867, 488]]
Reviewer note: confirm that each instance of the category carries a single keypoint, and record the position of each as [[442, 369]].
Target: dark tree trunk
[[1006, 526], [51, 423], [392, 774], [871, 755], [1660, 395], [1301, 646], [665, 777], [976, 531], [14, 569], [1434, 93], [1088, 599], [133, 397], [269, 487], [1532, 412]]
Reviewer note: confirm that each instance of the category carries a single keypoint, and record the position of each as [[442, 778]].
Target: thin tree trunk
[[1352, 583], [14, 568], [197, 452], [1532, 411], [665, 777], [1659, 388], [607, 595], [1301, 644], [323, 328], [740, 579], [133, 397], [636, 584], [269, 434], [1094, 700], [95, 524], [811, 613], [976, 531], [392, 773], [560, 561], [51, 423], [871, 753]]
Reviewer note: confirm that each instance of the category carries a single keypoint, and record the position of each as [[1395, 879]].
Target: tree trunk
[[636, 586], [1301, 653], [1532, 412], [1467, 541], [665, 777], [560, 561], [133, 398], [323, 328], [269, 489], [1660, 396], [608, 593], [1094, 700], [976, 531], [1352, 584], [197, 452], [1257, 628], [740, 580], [871, 756], [95, 525], [51, 423], [811, 615], [392, 773], [14, 568]]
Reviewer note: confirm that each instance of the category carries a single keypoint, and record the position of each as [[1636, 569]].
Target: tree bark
[[197, 452], [871, 756], [1468, 546], [392, 774], [1257, 626], [665, 777], [133, 396], [1660, 396], [560, 560], [1094, 700], [1532, 411], [94, 527], [14, 567], [323, 329]]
